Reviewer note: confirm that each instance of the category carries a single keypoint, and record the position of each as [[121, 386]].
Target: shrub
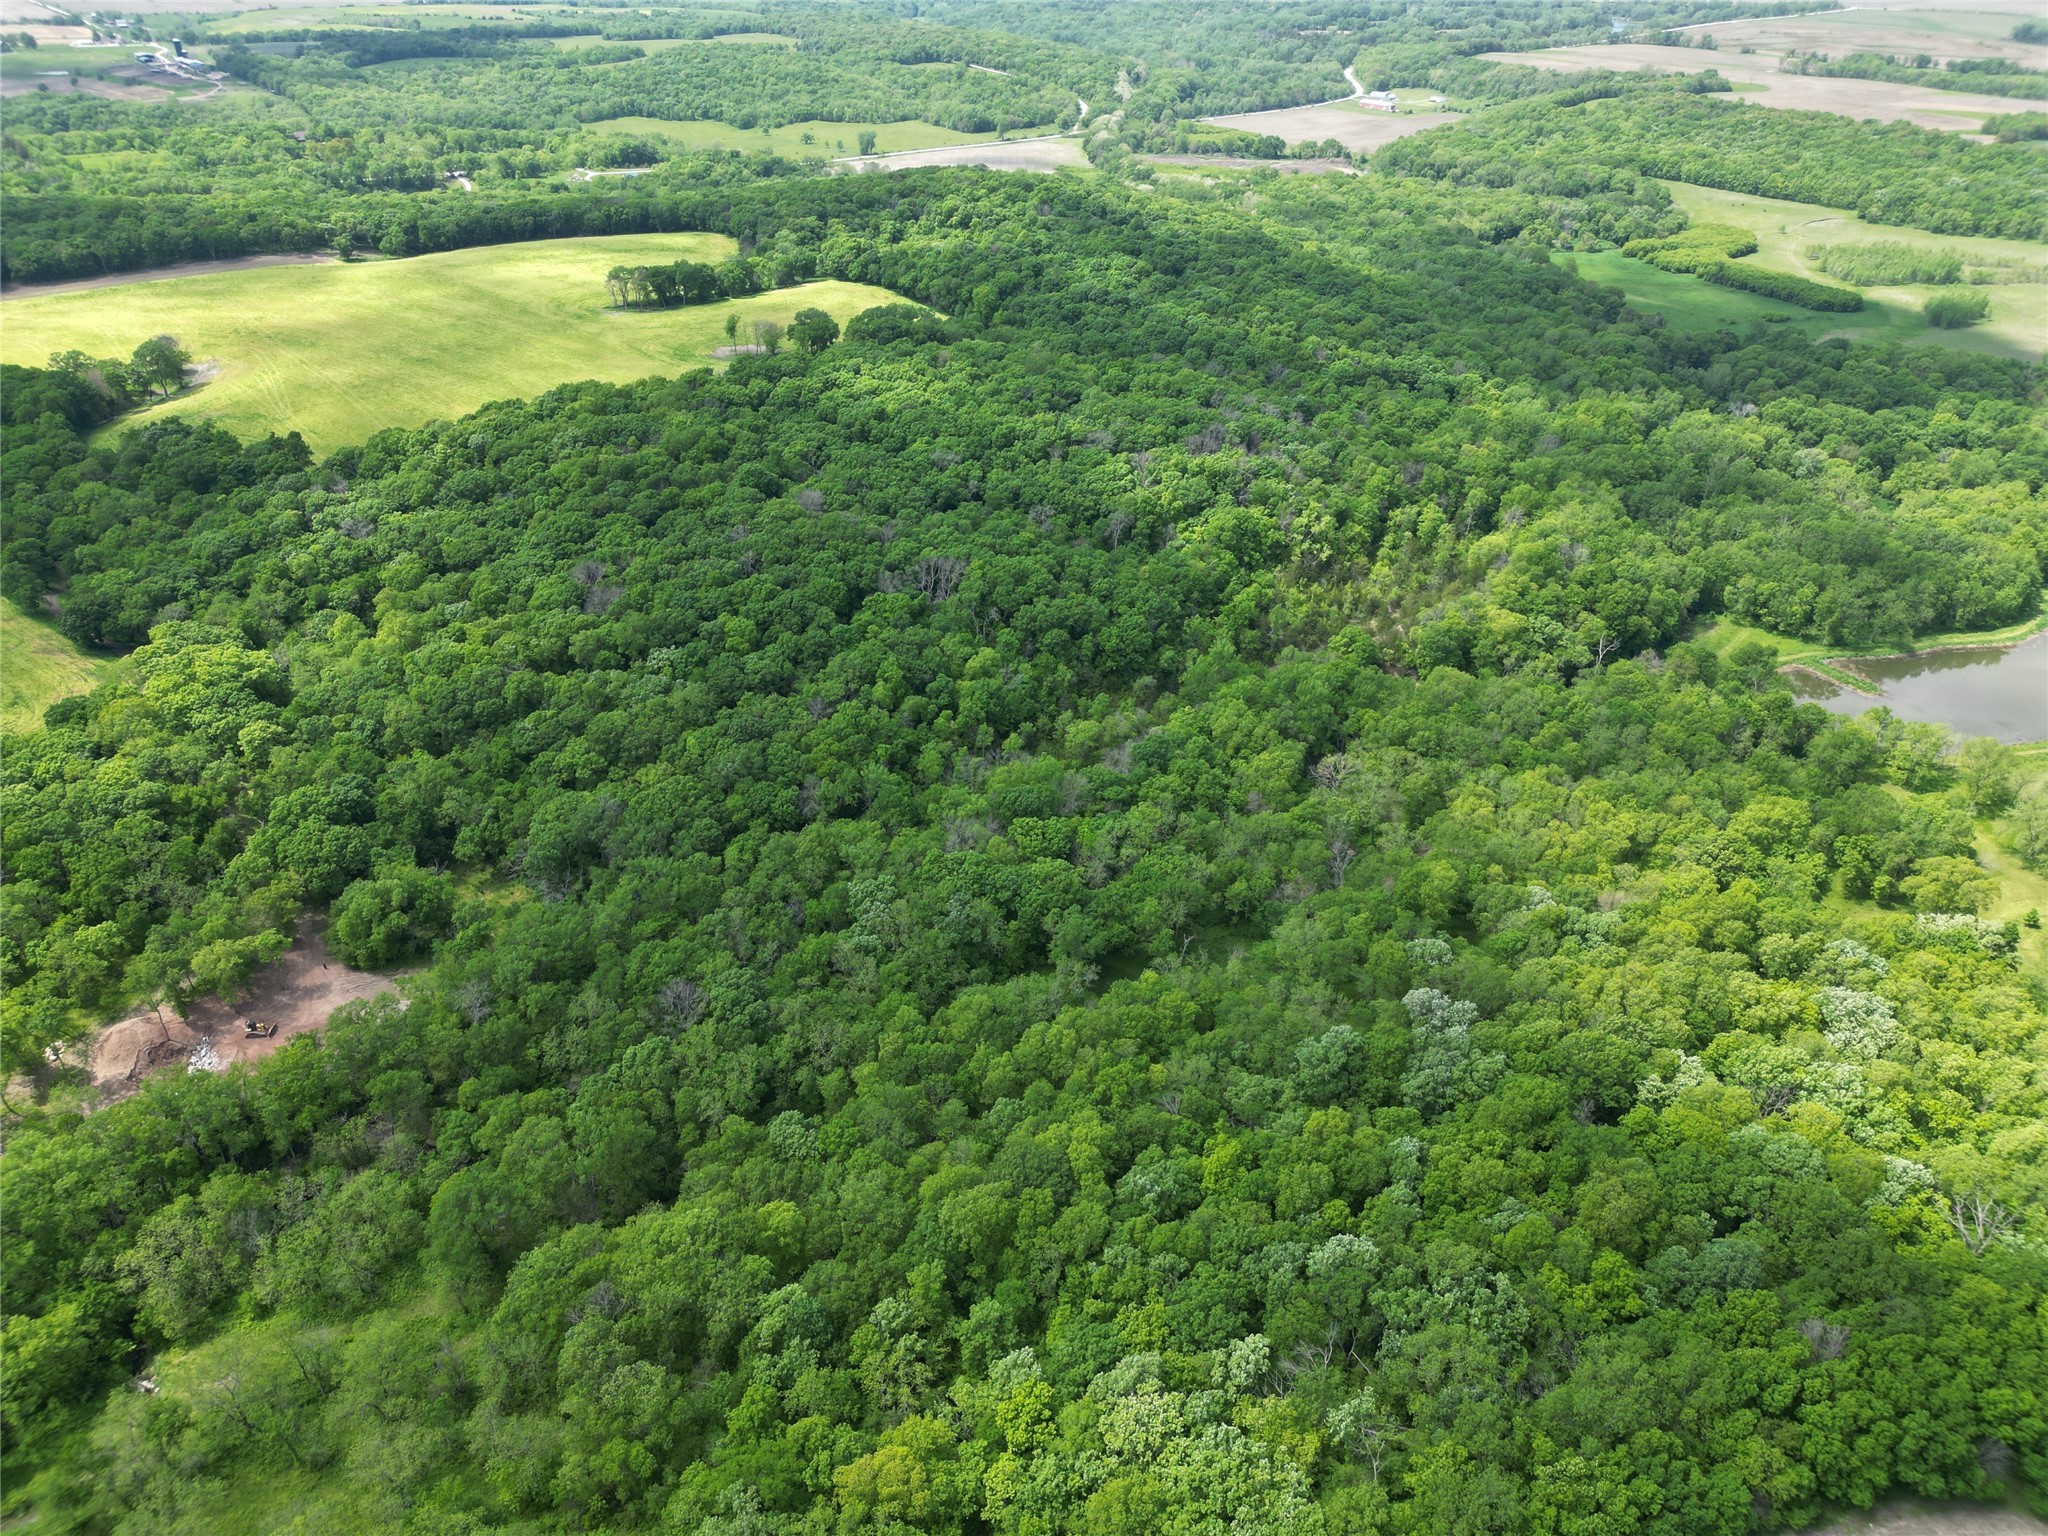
[[2017, 127], [392, 916], [1886, 263], [1953, 311]]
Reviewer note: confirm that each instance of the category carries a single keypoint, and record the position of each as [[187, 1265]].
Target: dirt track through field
[[297, 995], [159, 274], [1935, 1520]]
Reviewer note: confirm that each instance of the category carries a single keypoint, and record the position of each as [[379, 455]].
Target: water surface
[[1999, 691]]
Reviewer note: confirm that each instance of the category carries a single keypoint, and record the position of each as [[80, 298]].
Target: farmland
[[1758, 79], [336, 351], [1971, 31], [1359, 130]]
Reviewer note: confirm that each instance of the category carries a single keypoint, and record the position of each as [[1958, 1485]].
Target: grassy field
[[828, 139], [2017, 326], [1724, 635], [338, 351], [38, 667], [2020, 891]]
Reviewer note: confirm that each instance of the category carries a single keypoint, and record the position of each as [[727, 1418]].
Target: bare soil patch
[[1016, 155], [297, 995], [1951, 111], [1357, 129]]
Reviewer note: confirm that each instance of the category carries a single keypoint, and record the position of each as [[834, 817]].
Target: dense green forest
[[1132, 898], [1114, 905]]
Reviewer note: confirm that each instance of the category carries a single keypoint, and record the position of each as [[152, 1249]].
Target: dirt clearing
[[1759, 81], [297, 995], [1017, 155], [1358, 129]]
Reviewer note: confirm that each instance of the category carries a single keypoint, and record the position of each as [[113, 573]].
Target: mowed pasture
[[1759, 80], [2016, 327], [38, 666], [338, 351], [1359, 129], [827, 139]]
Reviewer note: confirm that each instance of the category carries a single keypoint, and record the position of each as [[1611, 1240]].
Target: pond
[[1997, 691]]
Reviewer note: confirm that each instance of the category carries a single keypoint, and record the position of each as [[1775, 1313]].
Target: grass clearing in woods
[[339, 351], [39, 666], [828, 140], [2016, 327]]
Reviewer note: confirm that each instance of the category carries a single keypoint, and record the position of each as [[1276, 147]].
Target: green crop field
[[38, 667], [31, 62], [2017, 325], [828, 139], [337, 351]]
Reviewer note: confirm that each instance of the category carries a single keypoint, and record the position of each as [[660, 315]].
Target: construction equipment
[[253, 1031]]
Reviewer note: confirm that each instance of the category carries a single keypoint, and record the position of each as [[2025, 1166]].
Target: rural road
[[1357, 90], [1917, 1519]]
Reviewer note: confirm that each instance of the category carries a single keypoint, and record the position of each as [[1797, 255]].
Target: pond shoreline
[[1841, 670], [1826, 671]]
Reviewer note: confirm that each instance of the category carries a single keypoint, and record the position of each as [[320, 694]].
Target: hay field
[[1757, 76], [1358, 129], [337, 351], [38, 666]]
